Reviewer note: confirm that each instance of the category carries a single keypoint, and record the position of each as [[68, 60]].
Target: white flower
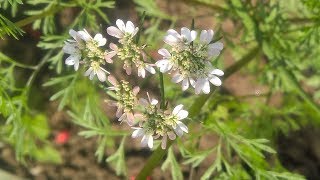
[[164, 64], [202, 84], [73, 47], [98, 38], [123, 29], [76, 46], [190, 63], [173, 38], [214, 49], [180, 114], [95, 69], [147, 139]]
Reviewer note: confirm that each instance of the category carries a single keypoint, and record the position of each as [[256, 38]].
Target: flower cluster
[[129, 52], [156, 123], [189, 60], [148, 120], [86, 50]]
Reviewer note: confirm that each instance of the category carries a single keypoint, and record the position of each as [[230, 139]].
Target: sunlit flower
[[95, 69], [190, 62], [128, 50], [73, 47], [173, 38], [122, 29], [156, 123], [179, 114], [126, 100]]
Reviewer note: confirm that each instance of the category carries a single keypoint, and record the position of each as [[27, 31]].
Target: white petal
[[150, 141], [100, 39], [84, 35], [215, 81], [206, 87], [182, 126], [142, 72], [88, 72], [154, 102], [129, 27], [121, 25], [203, 36], [170, 39], [164, 52], [122, 117], [217, 72], [150, 69], [178, 131], [192, 82], [193, 35], [70, 60], [186, 34], [164, 65], [115, 32], [91, 75], [182, 114], [216, 45], [76, 64], [73, 33], [209, 35], [199, 85], [185, 84], [70, 49], [177, 109], [101, 75], [177, 78], [135, 31], [144, 140], [137, 133]]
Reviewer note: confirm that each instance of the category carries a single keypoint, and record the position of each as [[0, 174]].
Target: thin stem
[[28, 20], [15, 63], [159, 153], [163, 103]]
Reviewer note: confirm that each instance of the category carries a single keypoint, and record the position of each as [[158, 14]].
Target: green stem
[[15, 63], [305, 96], [195, 108], [163, 103], [28, 20]]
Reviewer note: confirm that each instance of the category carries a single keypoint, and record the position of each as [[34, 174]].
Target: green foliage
[[287, 61], [173, 164], [9, 28], [118, 159]]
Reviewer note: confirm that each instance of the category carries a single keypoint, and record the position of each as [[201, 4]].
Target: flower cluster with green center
[[83, 49], [156, 123], [126, 99], [129, 51], [189, 60]]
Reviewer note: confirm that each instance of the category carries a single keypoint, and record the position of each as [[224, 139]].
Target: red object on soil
[[62, 137]]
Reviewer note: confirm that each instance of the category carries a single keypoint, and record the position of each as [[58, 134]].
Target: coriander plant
[[161, 79]]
